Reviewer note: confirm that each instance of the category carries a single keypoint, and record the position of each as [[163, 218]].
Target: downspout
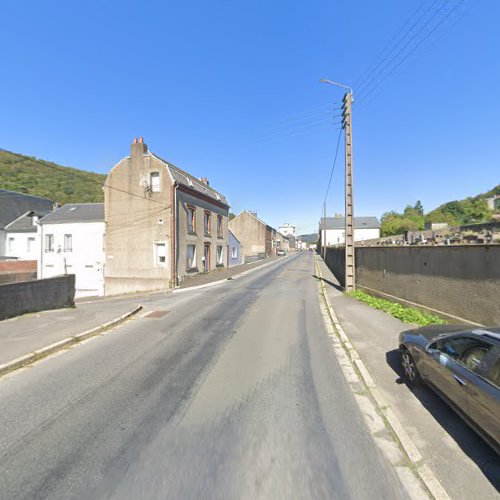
[[174, 236], [41, 251]]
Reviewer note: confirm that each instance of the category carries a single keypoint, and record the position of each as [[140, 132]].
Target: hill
[[26, 174], [456, 213], [308, 238]]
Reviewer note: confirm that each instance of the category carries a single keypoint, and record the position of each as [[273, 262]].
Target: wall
[[251, 233], [39, 295], [135, 221], [20, 247], [85, 260], [234, 243], [12, 271], [461, 280], [337, 236]]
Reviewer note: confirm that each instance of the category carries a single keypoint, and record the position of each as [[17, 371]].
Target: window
[[234, 252], [11, 245], [154, 182], [49, 242], [191, 257], [206, 223], [191, 219], [68, 243], [160, 254], [220, 255], [494, 374], [31, 245], [219, 226], [468, 351]]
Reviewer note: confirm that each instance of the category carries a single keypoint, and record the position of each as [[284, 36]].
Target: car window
[[469, 351], [493, 375]]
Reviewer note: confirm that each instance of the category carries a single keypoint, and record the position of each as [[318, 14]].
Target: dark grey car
[[463, 367]]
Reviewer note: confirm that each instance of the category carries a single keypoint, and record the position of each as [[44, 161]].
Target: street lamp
[[324, 80]]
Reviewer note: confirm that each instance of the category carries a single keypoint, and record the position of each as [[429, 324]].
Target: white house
[[365, 228], [72, 239], [287, 229], [22, 238]]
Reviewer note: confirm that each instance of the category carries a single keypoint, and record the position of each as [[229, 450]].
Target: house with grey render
[[162, 224], [235, 251]]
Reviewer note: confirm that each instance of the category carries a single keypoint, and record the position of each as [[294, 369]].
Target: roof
[[24, 223], [76, 212], [13, 205], [359, 223], [191, 182]]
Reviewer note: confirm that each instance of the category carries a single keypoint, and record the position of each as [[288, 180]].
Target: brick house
[[162, 224]]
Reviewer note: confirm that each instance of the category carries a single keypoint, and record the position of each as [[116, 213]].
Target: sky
[[230, 90]]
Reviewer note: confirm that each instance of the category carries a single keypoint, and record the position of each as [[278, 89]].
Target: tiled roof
[[359, 223], [76, 212], [185, 179], [24, 223], [13, 205]]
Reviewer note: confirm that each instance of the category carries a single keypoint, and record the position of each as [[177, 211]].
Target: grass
[[405, 314]]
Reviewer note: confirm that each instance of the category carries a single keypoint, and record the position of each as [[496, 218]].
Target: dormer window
[[154, 182]]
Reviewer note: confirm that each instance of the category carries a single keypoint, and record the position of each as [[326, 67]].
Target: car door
[[484, 396], [445, 370]]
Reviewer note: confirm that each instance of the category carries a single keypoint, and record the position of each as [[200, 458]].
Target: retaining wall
[[38, 295], [461, 280]]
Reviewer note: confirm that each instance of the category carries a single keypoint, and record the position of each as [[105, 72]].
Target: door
[[206, 260]]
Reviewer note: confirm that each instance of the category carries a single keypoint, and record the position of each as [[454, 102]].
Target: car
[[463, 367], [280, 252]]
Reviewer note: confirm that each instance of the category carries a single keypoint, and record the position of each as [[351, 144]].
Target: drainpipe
[[174, 236], [39, 276]]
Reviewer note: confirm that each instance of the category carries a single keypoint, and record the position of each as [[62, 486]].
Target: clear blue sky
[[230, 90]]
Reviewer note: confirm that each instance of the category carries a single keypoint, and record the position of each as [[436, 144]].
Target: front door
[[206, 262]]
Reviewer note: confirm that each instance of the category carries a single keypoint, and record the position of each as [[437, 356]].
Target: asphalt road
[[233, 393]]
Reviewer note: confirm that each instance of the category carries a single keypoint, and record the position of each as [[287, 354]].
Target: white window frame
[[219, 259], [10, 244], [234, 252], [49, 243], [68, 238], [193, 259], [30, 244], [157, 256], [154, 182]]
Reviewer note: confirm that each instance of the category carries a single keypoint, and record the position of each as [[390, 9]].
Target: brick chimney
[[138, 147]]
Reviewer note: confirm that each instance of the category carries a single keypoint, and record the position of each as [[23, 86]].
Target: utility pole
[[350, 277]]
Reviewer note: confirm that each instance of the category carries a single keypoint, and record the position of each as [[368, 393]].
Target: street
[[233, 393]]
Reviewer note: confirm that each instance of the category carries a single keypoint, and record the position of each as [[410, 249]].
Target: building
[[72, 241], [235, 251], [162, 224], [287, 229], [258, 239], [18, 230], [365, 228]]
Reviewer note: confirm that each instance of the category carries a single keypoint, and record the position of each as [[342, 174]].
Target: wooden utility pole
[[350, 278]]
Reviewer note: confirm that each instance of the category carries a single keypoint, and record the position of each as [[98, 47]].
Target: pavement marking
[[56, 347], [386, 429]]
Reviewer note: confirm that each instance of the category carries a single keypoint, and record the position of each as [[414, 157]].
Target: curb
[[30, 358], [225, 280], [421, 470]]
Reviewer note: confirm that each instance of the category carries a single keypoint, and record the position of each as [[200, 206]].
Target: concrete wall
[[12, 271], [39, 295], [251, 233], [463, 281], [135, 221]]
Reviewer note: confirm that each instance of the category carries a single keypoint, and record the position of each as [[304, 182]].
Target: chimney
[[138, 147]]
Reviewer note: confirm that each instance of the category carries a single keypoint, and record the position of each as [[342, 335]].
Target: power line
[[333, 166], [422, 40]]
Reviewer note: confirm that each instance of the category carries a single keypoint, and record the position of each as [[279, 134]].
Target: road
[[233, 393]]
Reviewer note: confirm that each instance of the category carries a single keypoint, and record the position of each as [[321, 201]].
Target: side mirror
[[431, 349]]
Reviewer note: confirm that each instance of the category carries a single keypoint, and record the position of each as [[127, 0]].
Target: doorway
[[206, 260]]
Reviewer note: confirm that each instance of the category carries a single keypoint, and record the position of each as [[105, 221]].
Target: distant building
[[162, 224], [235, 253], [72, 241], [18, 217], [494, 202], [258, 239], [435, 226], [365, 228], [287, 229]]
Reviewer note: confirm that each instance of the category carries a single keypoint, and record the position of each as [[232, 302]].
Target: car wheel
[[409, 367]]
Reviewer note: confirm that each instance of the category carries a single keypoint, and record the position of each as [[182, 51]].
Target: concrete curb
[[426, 476], [27, 359], [225, 280]]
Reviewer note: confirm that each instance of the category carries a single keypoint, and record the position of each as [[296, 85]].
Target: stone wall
[[38, 295], [461, 280]]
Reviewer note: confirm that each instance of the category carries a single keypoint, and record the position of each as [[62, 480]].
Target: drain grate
[[156, 314]]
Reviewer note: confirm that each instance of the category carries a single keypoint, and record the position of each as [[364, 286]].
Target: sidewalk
[[223, 273], [461, 461], [27, 333]]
